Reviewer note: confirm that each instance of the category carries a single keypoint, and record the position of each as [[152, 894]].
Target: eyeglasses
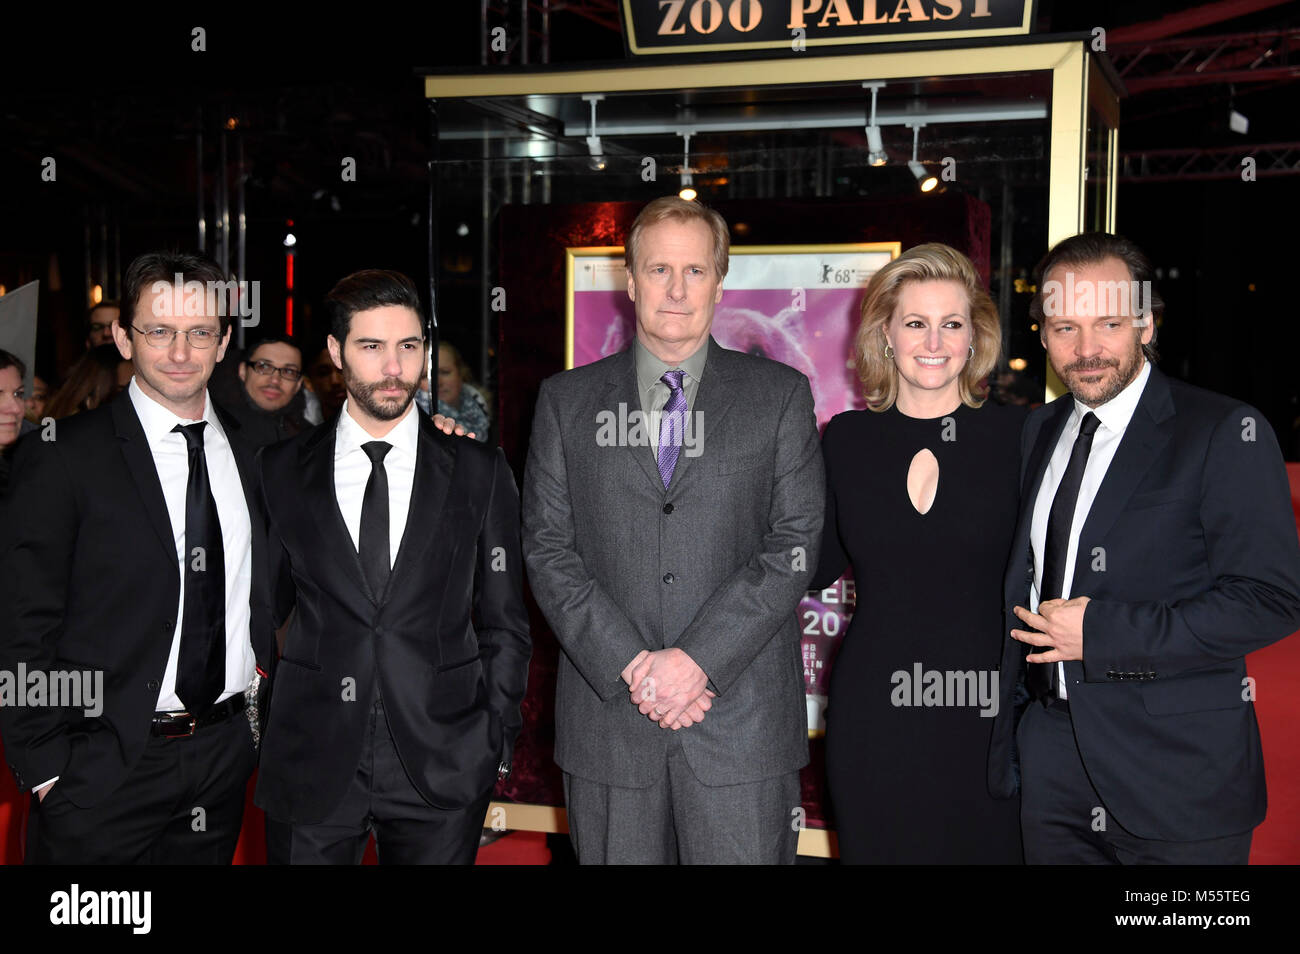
[[98, 326], [266, 368], [201, 338]]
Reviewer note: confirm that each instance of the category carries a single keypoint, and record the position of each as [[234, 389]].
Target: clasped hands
[[668, 687]]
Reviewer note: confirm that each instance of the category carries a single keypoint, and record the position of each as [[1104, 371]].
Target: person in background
[[90, 382], [99, 323], [458, 397], [270, 407], [36, 400], [12, 425], [326, 383]]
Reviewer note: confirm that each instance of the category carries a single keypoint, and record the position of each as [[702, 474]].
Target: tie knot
[[673, 379], [1089, 425], [193, 433], [376, 450]]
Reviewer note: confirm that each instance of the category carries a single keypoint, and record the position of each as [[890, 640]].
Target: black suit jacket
[[447, 641], [89, 580], [1190, 558]]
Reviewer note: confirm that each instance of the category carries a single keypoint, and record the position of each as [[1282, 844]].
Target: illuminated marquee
[[689, 26]]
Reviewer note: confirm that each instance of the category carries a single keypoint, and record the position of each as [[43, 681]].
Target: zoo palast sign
[[694, 26]]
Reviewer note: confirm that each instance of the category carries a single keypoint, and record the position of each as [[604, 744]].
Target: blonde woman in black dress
[[921, 501]]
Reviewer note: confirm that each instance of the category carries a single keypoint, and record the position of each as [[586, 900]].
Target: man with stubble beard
[[1155, 548], [407, 654]]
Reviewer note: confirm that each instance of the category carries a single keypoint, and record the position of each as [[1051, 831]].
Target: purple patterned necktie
[[672, 426]]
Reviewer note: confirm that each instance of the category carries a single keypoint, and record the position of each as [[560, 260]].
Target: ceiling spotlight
[[927, 181], [875, 144], [687, 191], [875, 147], [290, 240], [462, 230], [597, 160]]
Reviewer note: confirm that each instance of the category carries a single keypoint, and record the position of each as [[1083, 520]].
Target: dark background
[[118, 98]]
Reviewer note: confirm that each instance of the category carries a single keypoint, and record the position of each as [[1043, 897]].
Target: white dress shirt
[[171, 459], [352, 470], [1113, 416]]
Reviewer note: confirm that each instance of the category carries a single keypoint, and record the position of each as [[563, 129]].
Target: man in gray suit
[[672, 495]]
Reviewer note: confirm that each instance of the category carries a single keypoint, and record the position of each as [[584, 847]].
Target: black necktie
[[373, 548], [201, 666], [1056, 546]]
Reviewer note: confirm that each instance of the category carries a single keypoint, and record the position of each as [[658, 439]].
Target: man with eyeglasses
[[133, 565], [271, 407]]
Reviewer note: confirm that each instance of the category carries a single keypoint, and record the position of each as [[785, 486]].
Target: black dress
[[906, 756]]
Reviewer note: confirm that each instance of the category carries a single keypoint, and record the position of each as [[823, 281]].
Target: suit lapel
[[1031, 482], [317, 462], [262, 637], [243, 457], [1144, 439], [435, 462], [622, 390], [713, 400], [144, 473]]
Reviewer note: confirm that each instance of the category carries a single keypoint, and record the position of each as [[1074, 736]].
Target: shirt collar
[[650, 369], [158, 421], [351, 435], [1115, 414]]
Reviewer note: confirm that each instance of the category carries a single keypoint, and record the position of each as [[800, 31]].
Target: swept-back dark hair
[[164, 267], [366, 289], [8, 360], [1092, 248]]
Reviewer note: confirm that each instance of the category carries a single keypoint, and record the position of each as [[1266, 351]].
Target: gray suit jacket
[[715, 565]]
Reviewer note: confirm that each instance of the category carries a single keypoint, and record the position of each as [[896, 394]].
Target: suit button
[[668, 577], [153, 684], [1111, 674], [668, 508]]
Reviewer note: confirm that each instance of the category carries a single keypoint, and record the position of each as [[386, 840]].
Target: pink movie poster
[[796, 304]]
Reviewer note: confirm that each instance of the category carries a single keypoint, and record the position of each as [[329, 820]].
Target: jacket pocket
[[1200, 692]]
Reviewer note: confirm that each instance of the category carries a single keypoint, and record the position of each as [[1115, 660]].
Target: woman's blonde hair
[[924, 263]]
